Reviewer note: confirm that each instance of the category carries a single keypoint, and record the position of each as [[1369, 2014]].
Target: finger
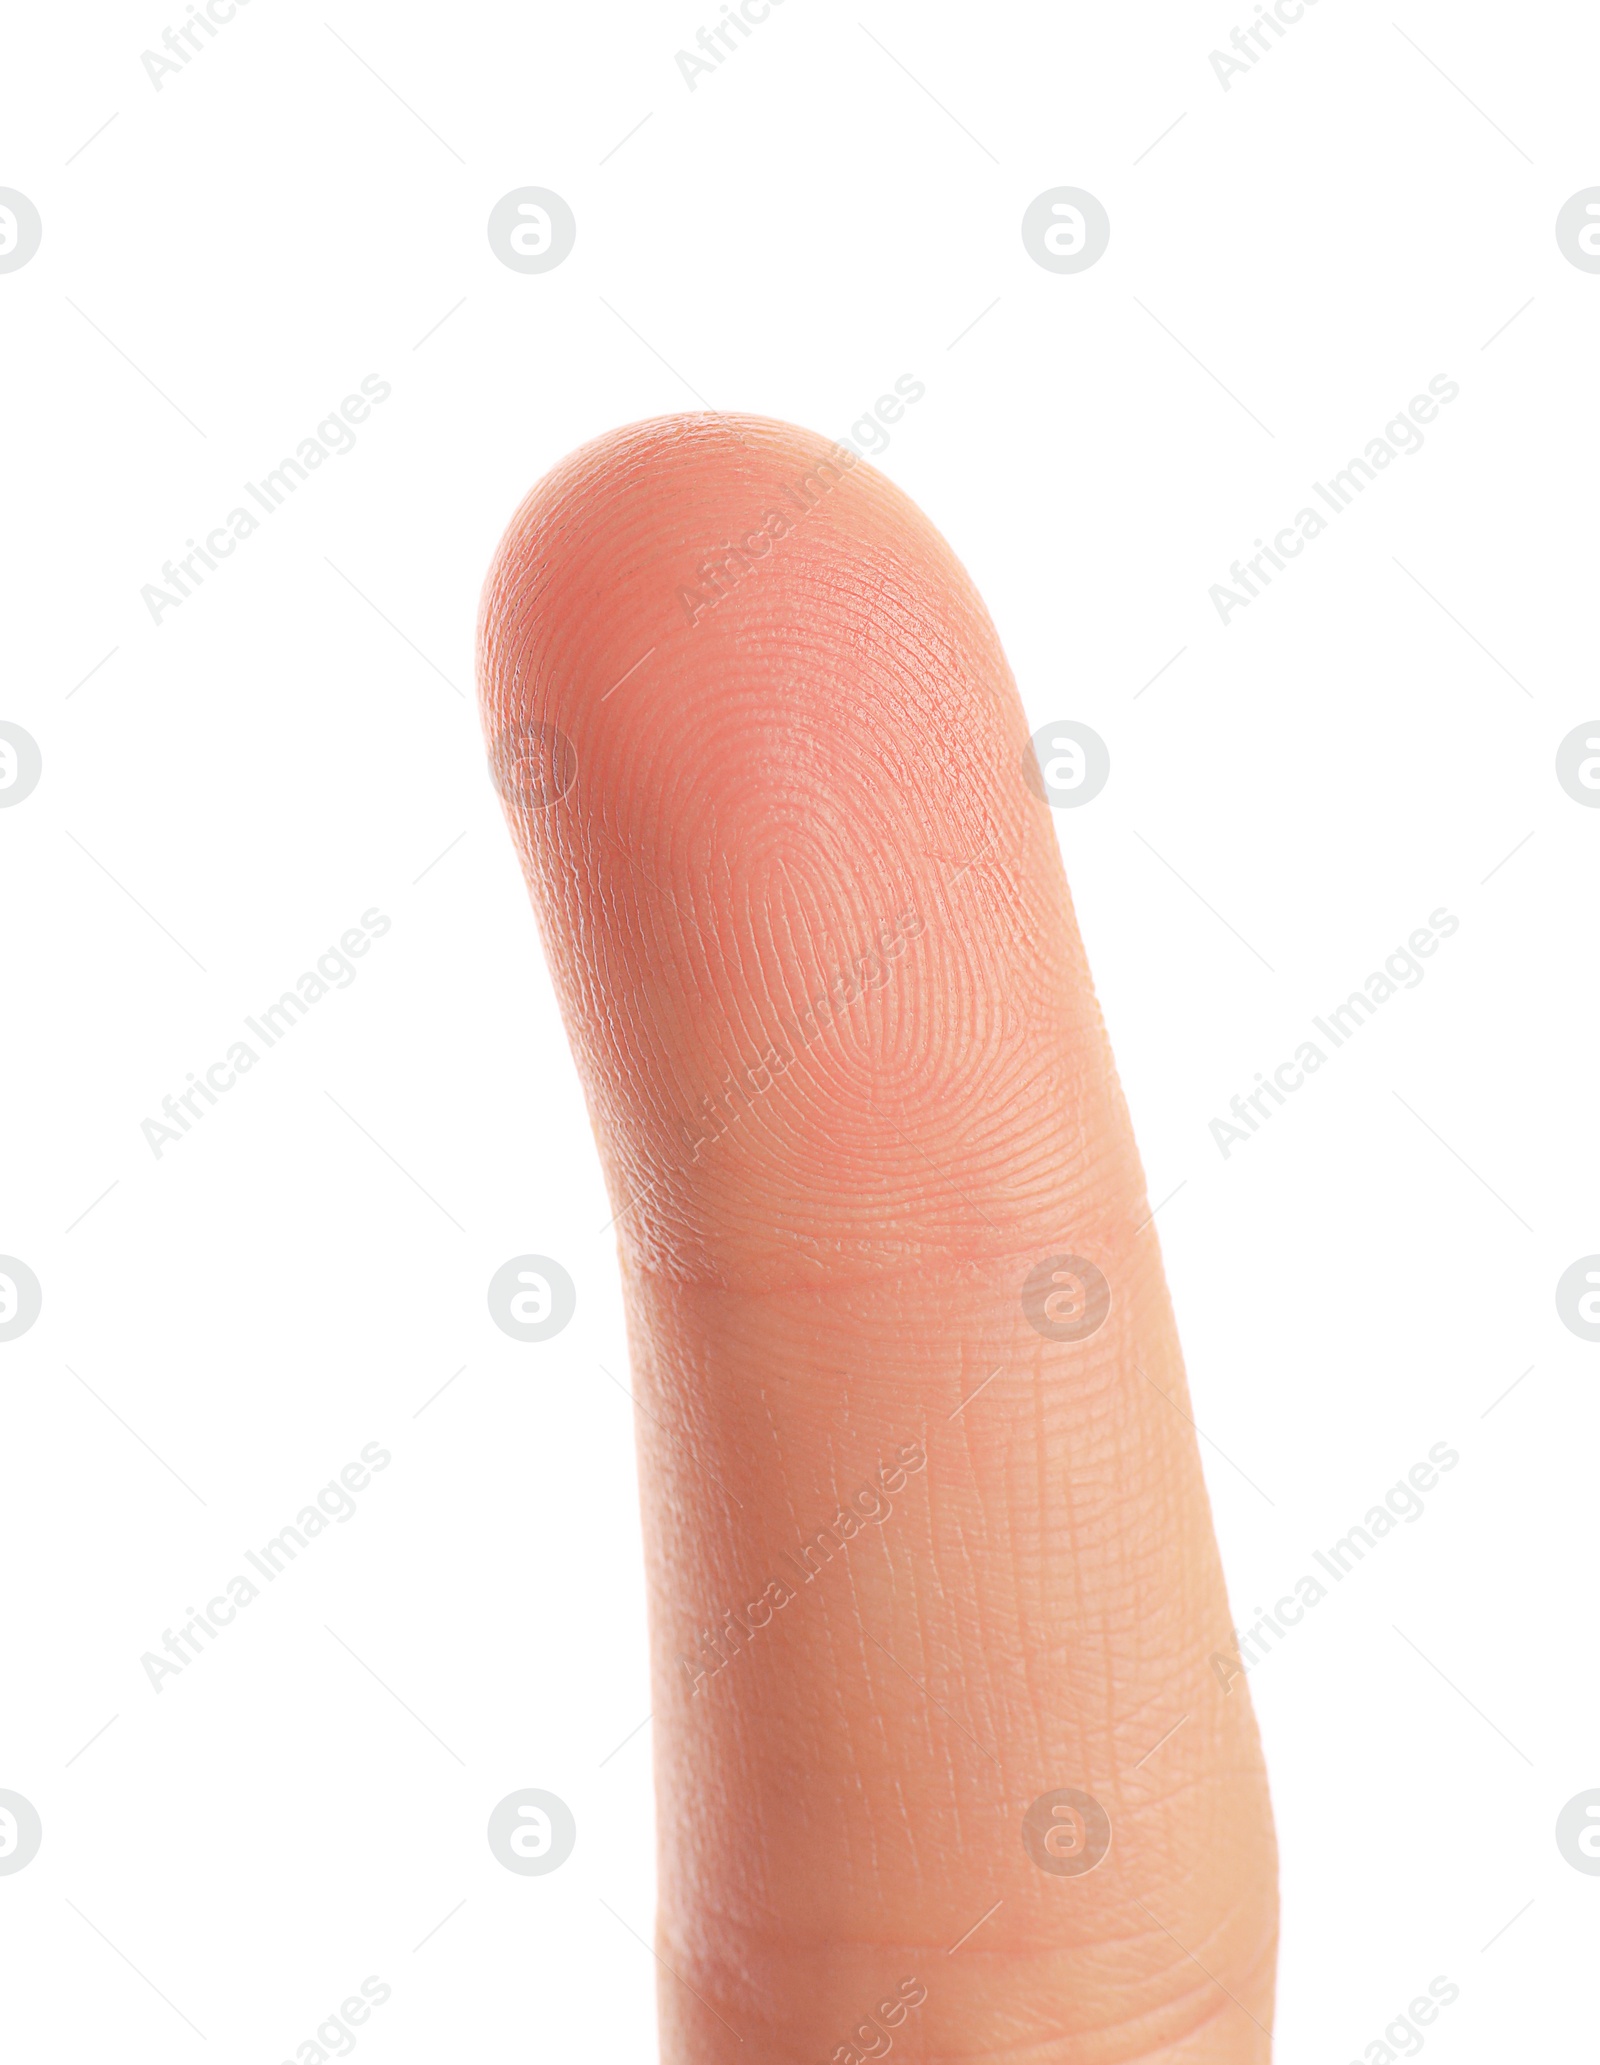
[[764, 762]]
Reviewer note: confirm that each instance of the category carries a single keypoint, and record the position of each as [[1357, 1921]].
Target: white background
[[296, 744]]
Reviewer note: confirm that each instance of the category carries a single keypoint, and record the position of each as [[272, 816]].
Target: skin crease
[[801, 779]]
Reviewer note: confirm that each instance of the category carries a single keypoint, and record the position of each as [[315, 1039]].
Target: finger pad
[[799, 812]]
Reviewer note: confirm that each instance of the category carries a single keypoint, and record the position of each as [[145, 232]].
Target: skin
[[813, 788]]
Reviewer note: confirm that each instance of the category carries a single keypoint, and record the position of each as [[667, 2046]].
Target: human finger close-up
[[798, 812], [940, 1747]]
